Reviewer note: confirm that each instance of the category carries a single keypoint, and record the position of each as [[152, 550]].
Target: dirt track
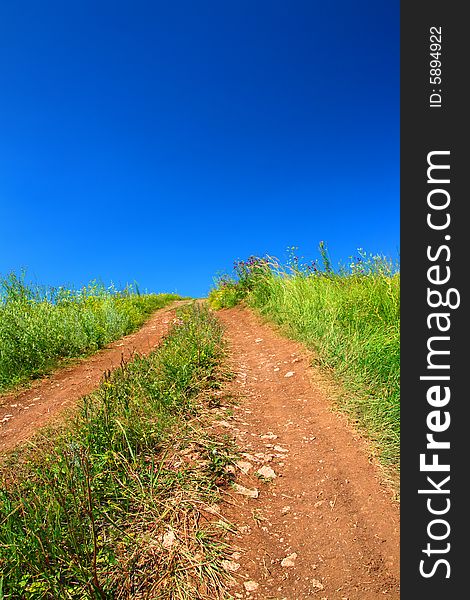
[[22, 413], [325, 526]]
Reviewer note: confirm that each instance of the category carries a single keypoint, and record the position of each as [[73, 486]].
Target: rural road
[[23, 412], [325, 526], [318, 521]]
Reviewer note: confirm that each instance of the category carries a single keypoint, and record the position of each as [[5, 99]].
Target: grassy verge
[[118, 504], [39, 328], [349, 317]]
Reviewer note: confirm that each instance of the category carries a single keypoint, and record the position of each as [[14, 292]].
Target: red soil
[[326, 526]]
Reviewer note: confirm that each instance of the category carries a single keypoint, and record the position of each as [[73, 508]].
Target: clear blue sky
[[158, 141]]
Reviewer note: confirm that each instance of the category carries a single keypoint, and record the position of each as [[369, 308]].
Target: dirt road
[[22, 413], [319, 523], [323, 525]]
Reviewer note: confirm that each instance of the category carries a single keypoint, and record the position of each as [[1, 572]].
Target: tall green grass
[[39, 327], [349, 316], [111, 507]]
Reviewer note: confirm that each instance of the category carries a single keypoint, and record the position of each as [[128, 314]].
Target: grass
[[350, 317], [41, 327], [117, 504]]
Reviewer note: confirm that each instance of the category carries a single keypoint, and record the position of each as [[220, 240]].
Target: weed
[[350, 317], [39, 327], [113, 505]]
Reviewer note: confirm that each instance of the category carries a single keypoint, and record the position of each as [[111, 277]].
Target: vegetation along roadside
[[350, 317], [40, 327], [119, 503]]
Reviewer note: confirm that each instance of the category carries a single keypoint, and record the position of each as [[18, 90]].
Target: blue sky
[[159, 141]]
